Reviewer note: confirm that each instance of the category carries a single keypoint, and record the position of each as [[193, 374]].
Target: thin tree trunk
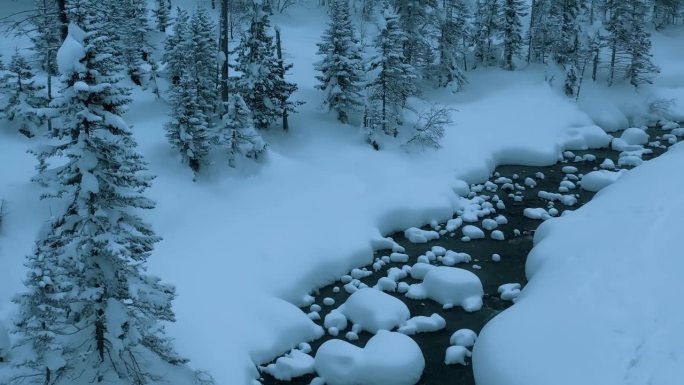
[[61, 4], [223, 47], [283, 101]]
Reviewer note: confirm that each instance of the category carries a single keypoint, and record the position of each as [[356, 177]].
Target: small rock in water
[[327, 301], [498, 235], [509, 291], [569, 169], [463, 337], [496, 257], [456, 355], [539, 175], [490, 224], [608, 164]]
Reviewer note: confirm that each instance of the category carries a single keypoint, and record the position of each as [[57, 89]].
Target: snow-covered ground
[[244, 247]]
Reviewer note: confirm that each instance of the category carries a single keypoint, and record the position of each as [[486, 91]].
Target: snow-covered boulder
[[456, 355], [635, 136], [387, 359], [374, 310], [596, 180], [473, 232], [292, 365], [416, 235], [422, 324], [463, 337], [450, 286]]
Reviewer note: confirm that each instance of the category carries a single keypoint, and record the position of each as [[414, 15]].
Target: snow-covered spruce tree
[[393, 82], [133, 33], [202, 66], [568, 48], [452, 45], [192, 94], [262, 83], [511, 30], [485, 30], [91, 313], [175, 57], [188, 130], [641, 69], [162, 14], [46, 37], [25, 101], [617, 26], [418, 19], [238, 134], [341, 67]]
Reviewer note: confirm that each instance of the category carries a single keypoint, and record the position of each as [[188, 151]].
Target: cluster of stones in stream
[[514, 188]]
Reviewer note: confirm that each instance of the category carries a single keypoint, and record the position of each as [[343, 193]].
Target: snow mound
[[416, 235], [536, 213], [597, 180], [456, 355], [450, 286], [374, 310], [71, 51], [294, 364], [473, 232], [387, 359], [635, 136], [509, 291], [422, 324], [463, 337]]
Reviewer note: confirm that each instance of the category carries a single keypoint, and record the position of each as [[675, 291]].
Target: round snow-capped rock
[[597, 180], [450, 286], [463, 337], [375, 310], [509, 291], [456, 355], [569, 169], [634, 135], [473, 232], [387, 359], [489, 224], [498, 235]]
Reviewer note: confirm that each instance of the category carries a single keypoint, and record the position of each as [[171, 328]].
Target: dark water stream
[[510, 269]]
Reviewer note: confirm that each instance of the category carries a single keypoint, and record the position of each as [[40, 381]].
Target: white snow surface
[[450, 286], [597, 180], [602, 287], [388, 358], [374, 310], [320, 171]]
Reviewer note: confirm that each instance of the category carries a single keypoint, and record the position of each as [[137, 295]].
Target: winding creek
[[510, 268]]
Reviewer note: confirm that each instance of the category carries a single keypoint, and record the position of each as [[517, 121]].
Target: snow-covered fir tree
[[175, 57], [46, 38], [133, 36], [341, 67], [262, 84], [418, 19], [188, 130], [485, 30], [191, 60], [542, 28], [617, 26], [238, 135], [511, 30], [641, 68], [392, 84], [91, 313], [201, 49], [162, 14], [25, 100], [452, 46]]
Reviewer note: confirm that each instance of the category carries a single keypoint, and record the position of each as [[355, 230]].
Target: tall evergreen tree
[[134, 30], [174, 55], [203, 64], [641, 69], [341, 65], [511, 30], [393, 82], [418, 19], [618, 28], [452, 44], [162, 14], [91, 312], [46, 38], [262, 84], [25, 100], [238, 134], [485, 30], [188, 130]]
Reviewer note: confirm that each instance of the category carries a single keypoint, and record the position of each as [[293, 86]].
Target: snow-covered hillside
[[244, 247]]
